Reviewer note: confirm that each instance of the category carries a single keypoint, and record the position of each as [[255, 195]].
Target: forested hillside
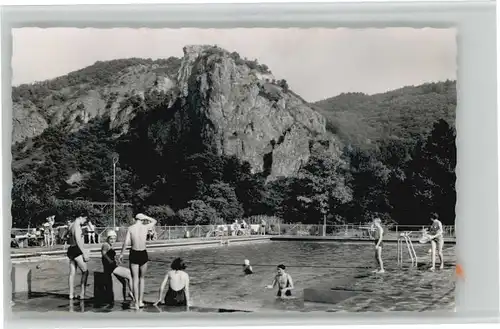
[[402, 114], [186, 159]]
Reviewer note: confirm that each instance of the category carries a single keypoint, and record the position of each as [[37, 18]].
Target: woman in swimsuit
[[109, 262], [284, 282], [178, 286], [378, 240], [437, 241]]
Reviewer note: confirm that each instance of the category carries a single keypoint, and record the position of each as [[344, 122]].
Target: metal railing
[[211, 231]]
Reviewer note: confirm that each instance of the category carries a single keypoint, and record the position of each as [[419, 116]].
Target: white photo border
[[477, 249]]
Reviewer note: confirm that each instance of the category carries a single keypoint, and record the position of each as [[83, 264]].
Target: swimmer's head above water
[[246, 262], [178, 264], [281, 268]]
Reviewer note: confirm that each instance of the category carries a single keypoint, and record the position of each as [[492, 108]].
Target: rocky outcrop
[[231, 107], [81, 103], [246, 116], [27, 122]]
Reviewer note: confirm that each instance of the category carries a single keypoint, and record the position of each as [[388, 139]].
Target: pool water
[[217, 279]]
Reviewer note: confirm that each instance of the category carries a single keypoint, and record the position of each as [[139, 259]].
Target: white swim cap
[[247, 262], [140, 216], [111, 233]]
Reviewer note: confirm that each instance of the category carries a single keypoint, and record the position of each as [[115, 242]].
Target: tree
[[27, 202], [433, 174], [163, 213], [222, 197], [283, 84], [324, 182], [199, 213]]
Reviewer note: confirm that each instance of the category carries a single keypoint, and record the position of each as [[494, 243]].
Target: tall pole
[[324, 224], [115, 160]]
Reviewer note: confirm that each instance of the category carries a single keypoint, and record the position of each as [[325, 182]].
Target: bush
[[163, 214], [68, 210], [199, 213]]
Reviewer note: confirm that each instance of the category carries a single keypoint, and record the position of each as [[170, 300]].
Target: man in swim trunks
[[178, 286], [284, 282], [138, 257], [378, 237], [437, 241], [78, 256]]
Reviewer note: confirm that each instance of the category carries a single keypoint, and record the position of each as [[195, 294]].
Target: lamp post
[[324, 224], [115, 160]]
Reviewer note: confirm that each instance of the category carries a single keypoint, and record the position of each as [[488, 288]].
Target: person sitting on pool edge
[[284, 282], [378, 237], [109, 262], [247, 268], [178, 286]]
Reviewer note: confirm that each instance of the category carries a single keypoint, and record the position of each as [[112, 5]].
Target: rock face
[[27, 122], [237, 109], [78, 103], [255, 120]]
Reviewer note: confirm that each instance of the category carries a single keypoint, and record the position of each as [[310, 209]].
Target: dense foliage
[[407, 113], [398, 163], [99, 74]]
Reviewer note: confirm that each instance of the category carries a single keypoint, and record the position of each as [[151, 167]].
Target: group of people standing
[[435, 236], [177, 280]]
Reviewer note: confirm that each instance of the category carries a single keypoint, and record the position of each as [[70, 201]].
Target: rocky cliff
[[238, 107]]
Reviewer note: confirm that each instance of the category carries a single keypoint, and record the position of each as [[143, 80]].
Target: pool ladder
[[405, 236]]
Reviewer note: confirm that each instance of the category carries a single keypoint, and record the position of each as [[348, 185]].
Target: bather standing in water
[[378, 235], [178, 286], [138, 257], [284, 282], [78, 256], [437, 241]]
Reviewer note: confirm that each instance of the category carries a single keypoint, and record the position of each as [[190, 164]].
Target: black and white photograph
[[233, 170]]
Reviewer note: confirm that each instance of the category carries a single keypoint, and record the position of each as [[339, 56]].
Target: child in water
[[284, 282], [247, 269]]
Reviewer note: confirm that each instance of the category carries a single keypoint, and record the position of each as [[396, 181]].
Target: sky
[[317, 63]]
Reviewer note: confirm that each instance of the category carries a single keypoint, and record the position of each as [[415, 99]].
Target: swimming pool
[[217, 278]]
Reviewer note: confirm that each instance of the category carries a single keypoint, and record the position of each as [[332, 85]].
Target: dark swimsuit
[[433, 230], [248, 270], [73, 252], [138, 257], [376, 240], [288, 292], [175, 298], [109, 267]]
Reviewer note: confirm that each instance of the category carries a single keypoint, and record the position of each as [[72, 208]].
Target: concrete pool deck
[[447, 241], [26, 253], [59, 250]]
